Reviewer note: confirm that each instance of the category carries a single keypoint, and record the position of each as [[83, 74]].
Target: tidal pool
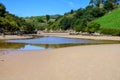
[[43, 43]]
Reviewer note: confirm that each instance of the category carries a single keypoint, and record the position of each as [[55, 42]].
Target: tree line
[[12, 24], [82, 19]]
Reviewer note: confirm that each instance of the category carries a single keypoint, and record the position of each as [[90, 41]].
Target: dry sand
[[82, 36], [14, 37], [94, 62]]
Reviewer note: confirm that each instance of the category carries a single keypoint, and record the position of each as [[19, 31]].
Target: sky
[[26, 8]]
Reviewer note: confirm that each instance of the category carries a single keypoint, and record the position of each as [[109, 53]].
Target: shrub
[[114, 32], [80, 25], [77, 28], [92, 27]]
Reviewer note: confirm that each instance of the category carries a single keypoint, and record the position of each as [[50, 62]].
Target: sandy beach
[[95, 62]]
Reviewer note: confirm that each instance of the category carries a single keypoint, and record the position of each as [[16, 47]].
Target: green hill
[[110, 20], [56, 25]]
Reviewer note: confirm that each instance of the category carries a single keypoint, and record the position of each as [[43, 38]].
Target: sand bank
[[82, 36], [95, 62], [14, 37], [63, 35]]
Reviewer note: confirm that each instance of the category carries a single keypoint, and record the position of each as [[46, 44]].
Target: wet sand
[[93, 62]]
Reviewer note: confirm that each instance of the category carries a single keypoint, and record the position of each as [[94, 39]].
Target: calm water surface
[[43, 43]]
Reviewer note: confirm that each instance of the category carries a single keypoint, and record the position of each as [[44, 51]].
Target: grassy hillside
[[81, 19], [110, 20]]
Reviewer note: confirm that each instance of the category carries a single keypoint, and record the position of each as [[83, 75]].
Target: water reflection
[[7, 45], [48, 43], [32, 47]]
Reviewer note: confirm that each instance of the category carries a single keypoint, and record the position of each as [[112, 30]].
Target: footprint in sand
[[2, 60]]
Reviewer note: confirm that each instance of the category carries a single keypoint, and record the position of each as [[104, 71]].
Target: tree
[[108, 5], [79, 13], [80, 25], [47, 17], [3, 23], [113, 1], [98, 12], [91, 2], [72, 11], [2, 10], [92, 27], [8, 25], [96, 2], [40, 20], [66, 23]]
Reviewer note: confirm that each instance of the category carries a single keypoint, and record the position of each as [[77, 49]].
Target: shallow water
[[43, 43], [52, 40]]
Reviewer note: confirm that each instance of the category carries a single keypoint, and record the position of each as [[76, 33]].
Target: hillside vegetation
[[41, 22], [101, 16], [110, 20]]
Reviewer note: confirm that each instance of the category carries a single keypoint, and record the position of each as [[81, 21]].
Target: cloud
[[71, 4]]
